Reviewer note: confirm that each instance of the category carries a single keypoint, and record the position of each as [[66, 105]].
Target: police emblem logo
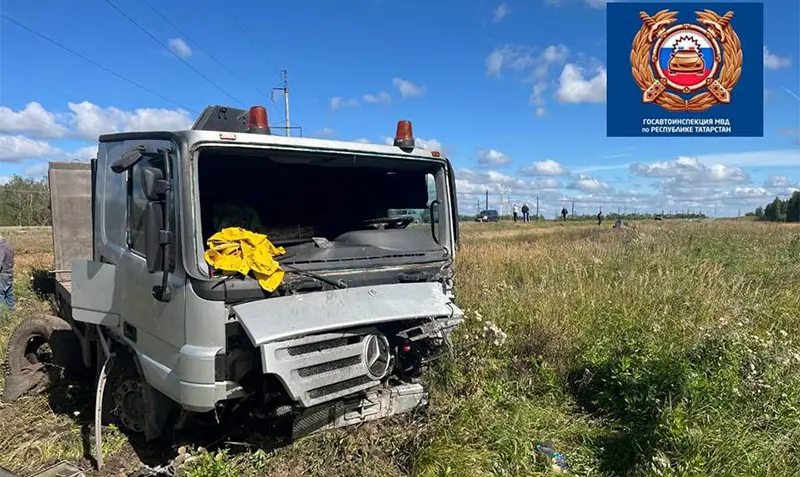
[[686, 67]]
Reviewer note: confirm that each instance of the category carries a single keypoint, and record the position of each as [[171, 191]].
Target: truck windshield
[[294, 196]]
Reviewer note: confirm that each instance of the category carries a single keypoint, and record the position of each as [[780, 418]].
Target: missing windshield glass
[[367, 208]]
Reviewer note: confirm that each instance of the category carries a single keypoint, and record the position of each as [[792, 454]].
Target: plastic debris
[[559, 463]]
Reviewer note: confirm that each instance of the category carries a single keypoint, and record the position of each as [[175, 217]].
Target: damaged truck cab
[[365, 304]]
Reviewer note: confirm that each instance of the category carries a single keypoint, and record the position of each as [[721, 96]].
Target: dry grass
[[670, 349]]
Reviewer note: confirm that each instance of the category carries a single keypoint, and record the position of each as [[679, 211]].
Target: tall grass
[[669, 349]]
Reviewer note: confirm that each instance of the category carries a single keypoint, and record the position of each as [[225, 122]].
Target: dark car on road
[[490, 215]]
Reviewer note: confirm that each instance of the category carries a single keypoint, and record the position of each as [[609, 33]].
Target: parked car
[[490, 215]]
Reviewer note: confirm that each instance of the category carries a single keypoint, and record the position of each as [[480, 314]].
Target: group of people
[[6, 275], [526, 217], [526, 213]]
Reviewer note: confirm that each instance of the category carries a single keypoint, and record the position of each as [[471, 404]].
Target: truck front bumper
[[376, 404]]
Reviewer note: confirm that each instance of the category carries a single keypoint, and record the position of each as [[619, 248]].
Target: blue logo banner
[[685, 69]]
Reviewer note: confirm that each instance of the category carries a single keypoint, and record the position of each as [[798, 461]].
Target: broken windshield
[[293, 197]]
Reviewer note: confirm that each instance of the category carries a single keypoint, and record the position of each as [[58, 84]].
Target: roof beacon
[[257, 120], [404, 139]]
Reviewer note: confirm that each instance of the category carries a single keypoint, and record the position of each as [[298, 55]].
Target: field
[[668, 349]]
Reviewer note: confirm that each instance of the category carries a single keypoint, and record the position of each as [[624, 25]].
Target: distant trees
[[24, 202], [781, 210]]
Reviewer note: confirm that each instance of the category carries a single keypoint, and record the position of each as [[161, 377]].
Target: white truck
[[366, 302]]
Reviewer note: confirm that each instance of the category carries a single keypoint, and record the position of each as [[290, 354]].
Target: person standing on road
[[600, 218], [516, 212], [526, 213], [6, 274], [564, 212]]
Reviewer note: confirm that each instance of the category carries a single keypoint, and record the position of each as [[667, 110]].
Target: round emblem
[[686, 58], [377, 356]]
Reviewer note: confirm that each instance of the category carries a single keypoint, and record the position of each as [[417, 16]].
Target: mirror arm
[[129, 158], [163, 292]]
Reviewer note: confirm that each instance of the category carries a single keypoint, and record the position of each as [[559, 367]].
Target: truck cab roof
[[225, 124]]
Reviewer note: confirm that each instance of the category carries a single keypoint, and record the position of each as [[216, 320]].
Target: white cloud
[[179, 47], [20, 148], [686, 174], [492, 157], [547, 167], [775, 62], [88, 120], [500, 12], [574, 87], [338, 103], [5, 180], [381, 97], [363, 140], [777, 181], [82, 154], [525, 58], [472, 182], [588, 184], [534, 64], [408, 89], [326, 132], [33, 119], [768, 158]]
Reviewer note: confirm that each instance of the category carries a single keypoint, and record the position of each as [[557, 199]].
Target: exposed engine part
[[129, 404], [421, 344]]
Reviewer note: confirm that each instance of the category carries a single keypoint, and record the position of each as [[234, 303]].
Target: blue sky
[[513, 92]]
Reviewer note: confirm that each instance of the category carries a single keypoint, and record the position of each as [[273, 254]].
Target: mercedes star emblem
[[377, 355]]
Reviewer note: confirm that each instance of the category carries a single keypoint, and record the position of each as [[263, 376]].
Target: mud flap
[[375, 405]]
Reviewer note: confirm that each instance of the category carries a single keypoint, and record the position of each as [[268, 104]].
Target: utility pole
[[487, 199], [573, 208], [285, 88], [537, 208]]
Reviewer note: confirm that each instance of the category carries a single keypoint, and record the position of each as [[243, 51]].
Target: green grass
[[670, 349]]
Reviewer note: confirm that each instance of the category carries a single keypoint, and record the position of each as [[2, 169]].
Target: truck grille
[[319, 368]]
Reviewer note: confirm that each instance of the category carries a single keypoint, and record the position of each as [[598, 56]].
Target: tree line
[[25, 201], [780, 210]]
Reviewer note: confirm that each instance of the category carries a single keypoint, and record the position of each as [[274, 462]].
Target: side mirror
[[153, 229], [153, 183]]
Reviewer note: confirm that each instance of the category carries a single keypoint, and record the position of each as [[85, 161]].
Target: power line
[[260, 53], [98, 65], [154, 38], [212, 57]]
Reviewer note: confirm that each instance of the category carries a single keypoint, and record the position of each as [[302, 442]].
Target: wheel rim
[[37, 350], [129, 405]]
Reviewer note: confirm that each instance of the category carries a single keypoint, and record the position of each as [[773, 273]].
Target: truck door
[[155, 328]]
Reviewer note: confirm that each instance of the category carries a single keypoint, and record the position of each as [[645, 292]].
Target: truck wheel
[[46, 340], [124, 401]]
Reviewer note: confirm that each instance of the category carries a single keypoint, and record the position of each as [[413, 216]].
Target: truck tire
[[28, 345]]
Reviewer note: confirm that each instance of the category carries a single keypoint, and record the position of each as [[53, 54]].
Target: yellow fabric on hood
[[235, 249]]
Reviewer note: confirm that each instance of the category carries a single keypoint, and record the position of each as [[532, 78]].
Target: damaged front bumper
[[377, 404], [318, 345]]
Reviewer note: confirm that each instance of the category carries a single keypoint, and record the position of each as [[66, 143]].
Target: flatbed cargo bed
[[71, 204]]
